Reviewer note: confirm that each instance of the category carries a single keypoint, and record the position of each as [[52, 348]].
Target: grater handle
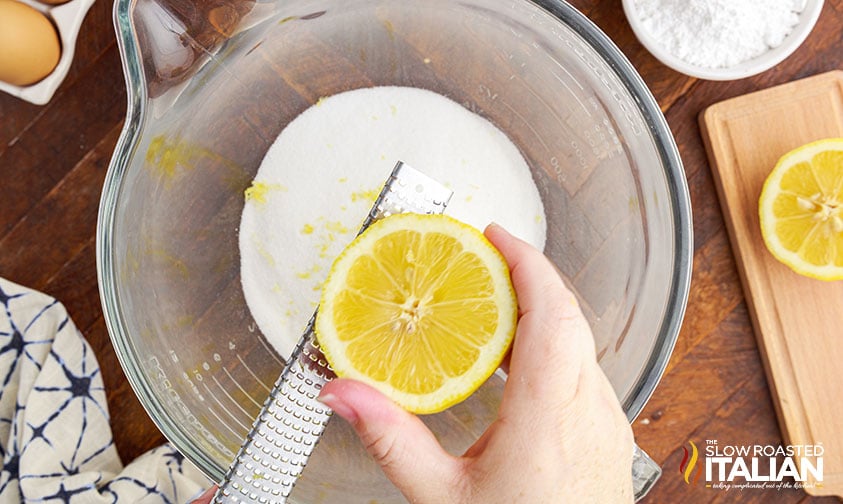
[[292, 420], [645, 473]]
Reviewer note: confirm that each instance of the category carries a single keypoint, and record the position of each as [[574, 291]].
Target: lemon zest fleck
[[258, 191], [369, 195]]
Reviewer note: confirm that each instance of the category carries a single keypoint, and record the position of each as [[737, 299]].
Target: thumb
[[400, 442]]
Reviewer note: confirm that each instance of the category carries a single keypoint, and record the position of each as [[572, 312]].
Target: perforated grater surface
[[292, 420]]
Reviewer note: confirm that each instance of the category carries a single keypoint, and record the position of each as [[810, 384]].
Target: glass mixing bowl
[[213, 82]]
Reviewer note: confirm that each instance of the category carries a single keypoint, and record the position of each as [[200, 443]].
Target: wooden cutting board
[[798, 321]]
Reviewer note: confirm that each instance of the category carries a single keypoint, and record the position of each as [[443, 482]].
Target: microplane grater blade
[[292, 420]]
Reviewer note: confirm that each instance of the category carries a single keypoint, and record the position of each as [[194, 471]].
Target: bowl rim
[[137, 111], [807, 20], [127, 144], [680, 200]]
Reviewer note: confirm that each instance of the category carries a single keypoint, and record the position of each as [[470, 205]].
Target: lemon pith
[[420, 307], [801, 210]]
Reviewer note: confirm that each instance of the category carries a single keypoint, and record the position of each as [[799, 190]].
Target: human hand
[[560, 435], [206, 497]]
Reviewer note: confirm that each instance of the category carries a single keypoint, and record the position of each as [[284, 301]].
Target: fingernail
[[492, 227], [498, 228], [339, 406]]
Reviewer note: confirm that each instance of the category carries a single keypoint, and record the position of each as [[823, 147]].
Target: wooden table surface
[[53, 161]]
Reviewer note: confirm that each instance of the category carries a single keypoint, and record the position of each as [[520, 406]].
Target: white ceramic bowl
[[807, 20], [67, 18]]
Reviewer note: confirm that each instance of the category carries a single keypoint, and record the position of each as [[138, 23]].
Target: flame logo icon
[[689, 462]]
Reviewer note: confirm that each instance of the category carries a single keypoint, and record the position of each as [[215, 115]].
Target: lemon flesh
[[419, 306], [801, 210]]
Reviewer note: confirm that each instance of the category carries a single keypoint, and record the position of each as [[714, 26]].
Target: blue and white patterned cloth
[[55, 438]]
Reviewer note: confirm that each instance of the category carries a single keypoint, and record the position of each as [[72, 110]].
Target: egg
[[29, 44]]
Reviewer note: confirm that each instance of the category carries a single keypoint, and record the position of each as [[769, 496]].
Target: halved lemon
[[801, 210], [419, 306]]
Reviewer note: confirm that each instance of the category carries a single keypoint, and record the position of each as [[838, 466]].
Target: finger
[[505, 361], [400, 443], [543, 298], [206, 496], [534, 277], [553, 340]]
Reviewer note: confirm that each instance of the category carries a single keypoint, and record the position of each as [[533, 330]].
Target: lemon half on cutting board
[[801, 210], [421, 307]]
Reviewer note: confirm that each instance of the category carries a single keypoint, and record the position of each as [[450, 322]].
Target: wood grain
[[53, 158], [796, 318]]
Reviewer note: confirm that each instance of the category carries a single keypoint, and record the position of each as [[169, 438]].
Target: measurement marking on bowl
[[247, 368], [562, 81], [229, 396], [487, 93], [190, 420], [578, 152], [193, 386], [237, 384], [268, 351], [600, 69], [567, 72], [564, 124], [527, 124], [224, 423], [224, 408]]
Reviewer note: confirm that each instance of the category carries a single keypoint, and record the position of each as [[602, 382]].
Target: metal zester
[[292, 420]]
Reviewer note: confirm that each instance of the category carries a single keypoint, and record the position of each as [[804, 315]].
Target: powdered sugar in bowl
[[722, 39]]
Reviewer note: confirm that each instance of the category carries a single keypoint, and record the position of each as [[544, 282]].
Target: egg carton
[[67, 19]]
